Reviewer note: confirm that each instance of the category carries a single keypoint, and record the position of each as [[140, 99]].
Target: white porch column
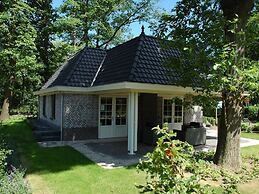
[[136, 122], [132, 122]]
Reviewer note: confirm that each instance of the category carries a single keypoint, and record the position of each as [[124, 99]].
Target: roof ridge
[[138, 50], [98, 70]]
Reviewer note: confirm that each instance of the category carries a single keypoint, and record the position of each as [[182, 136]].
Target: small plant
[[166, 167], [13, 182], [246, 127], [11, 179]]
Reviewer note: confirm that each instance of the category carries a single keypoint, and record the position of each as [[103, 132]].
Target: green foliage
[[209, 120], [211, 38], [250, 127], [165, 166], [255, 127], [251, 112], [18, 65], [4, 152], [99, 23], [11, 180], [14, 182], [246, 127]]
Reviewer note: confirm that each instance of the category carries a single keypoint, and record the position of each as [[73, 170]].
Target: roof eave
[[129, 86]]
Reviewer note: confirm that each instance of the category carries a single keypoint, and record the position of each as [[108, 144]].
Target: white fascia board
[[130, 86]]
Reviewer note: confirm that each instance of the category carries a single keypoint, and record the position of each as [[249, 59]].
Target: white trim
[[122, 86], [136, 122]]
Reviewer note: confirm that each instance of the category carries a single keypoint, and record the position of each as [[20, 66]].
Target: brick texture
[[80, 111]]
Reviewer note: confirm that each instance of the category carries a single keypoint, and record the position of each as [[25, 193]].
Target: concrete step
[[47, 138], [47, 135]]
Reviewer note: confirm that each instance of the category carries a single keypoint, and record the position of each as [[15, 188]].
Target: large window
[[53, 106], [106, 111], [167, 111], [121, 111], [44, 106], [172, 112]]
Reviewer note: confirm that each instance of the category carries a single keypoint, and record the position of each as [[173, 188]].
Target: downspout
[[61, 116]]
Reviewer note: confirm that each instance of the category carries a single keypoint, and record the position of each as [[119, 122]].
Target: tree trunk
[[229, 128], [228, 148], [5, 107]]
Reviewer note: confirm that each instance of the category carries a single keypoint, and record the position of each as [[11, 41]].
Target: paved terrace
[[113, 153]]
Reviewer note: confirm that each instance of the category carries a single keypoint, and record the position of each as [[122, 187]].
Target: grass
[[251, 150], [64, 170], [250, 135]]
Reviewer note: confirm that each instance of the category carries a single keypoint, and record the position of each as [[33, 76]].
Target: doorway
[[112, 117]]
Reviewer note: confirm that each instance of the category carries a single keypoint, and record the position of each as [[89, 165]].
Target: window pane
[[167, 113], [106, 111], [121, 109]]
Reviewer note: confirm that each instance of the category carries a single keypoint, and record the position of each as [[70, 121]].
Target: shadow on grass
[[37, 159]]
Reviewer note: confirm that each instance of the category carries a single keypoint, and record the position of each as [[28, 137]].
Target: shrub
[[13, 182], [209, 120], [251, 112], [166, 165], [246, 127], [4, 152], [255, 127]]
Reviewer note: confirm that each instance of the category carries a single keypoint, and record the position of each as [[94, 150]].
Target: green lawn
[[251, 150], [250, 135], [64, 170]]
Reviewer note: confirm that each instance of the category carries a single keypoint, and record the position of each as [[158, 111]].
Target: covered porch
[[132, 113]]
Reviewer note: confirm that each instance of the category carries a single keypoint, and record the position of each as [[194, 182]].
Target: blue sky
[[167, 5]]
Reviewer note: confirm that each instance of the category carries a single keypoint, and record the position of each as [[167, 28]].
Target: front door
[[112, 117], [173, 114]]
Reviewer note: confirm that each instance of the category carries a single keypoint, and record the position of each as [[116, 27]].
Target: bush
[[209, 120], [251, 112], [166, 165], [255, 127], [4, 152], [13, 182], [246, 127]]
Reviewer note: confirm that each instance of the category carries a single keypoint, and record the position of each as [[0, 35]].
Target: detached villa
[[120, 92]]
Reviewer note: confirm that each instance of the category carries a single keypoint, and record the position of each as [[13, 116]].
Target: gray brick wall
[[80, 111]]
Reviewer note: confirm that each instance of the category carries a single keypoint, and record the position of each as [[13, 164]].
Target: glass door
[[105, 124], [113, 117], [173, 113]]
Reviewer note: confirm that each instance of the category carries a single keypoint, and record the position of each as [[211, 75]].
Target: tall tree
[[51, 52], [100, 23], [19, 70], [42, 19], [211, 38]]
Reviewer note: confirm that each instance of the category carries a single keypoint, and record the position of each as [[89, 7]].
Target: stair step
[[48, 138], [47, 135]]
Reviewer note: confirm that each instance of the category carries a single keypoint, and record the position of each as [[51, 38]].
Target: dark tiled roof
[[138, 60], [79, 70]]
